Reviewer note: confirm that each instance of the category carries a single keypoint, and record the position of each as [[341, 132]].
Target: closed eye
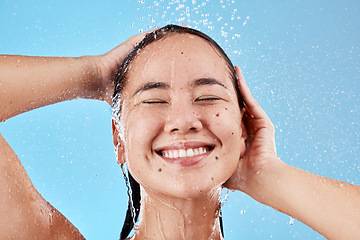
[[154, 101], [207, 99]]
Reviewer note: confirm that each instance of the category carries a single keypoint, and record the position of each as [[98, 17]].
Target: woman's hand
[[31, 82], [260, 155], [106, 66], [317, 201]]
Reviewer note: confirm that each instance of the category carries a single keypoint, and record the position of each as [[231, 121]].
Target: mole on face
[[159, 170]]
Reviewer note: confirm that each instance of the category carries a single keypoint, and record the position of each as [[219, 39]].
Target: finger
[[252, 106], [134, 40]]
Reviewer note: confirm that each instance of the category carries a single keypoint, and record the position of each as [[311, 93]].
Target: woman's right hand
[[31, 82], [107, 65], [27, 83]]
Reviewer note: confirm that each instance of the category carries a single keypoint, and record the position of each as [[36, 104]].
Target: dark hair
[[120, 81]]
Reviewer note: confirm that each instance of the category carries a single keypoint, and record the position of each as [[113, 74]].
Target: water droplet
[[291, 221]]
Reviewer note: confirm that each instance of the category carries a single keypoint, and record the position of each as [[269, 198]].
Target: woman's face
[[180, 120]]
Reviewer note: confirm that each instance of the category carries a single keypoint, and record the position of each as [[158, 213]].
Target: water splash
[[222, 203], [129, 192], [224, 200], [222, 20]]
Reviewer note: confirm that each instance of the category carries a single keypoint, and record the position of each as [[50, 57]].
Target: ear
[[118, 144], [244, 134]]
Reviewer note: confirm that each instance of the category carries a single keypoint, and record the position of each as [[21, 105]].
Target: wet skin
[[180, 100]]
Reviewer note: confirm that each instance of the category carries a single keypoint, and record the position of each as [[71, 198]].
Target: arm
[[27, 82], [31, 82], [330, 207], [24, 213]]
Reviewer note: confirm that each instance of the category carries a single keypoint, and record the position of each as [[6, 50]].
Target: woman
[[183, 133], [179, 121]]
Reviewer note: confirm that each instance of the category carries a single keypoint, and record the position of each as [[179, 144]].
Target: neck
[[174, 218]]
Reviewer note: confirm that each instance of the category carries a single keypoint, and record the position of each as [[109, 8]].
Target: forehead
[[178, 56]]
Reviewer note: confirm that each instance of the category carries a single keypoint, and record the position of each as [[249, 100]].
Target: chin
[[193, 191]]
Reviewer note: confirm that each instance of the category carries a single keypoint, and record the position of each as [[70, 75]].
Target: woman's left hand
[[317, 201], [260, 156]]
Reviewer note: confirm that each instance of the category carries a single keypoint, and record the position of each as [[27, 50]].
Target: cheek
[[225, 122], [142, 127]]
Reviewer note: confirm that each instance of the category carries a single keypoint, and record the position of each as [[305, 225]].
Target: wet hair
[[133, 210]]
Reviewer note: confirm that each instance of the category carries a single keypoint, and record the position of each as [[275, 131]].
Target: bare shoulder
[[24, 212]]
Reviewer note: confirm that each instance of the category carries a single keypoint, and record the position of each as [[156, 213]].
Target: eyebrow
[[163, 85], [207, 81], [152, 85]]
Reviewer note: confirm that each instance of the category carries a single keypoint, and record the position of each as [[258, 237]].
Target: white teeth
[[196, 151], [182, 153], [189, 152], [201, 150]]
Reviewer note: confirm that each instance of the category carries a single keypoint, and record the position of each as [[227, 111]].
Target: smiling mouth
[[184, 153]]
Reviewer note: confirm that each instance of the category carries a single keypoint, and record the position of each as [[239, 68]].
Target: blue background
[[301, 60]]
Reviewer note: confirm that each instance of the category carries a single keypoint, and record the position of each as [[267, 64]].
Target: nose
[[182, 118]]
